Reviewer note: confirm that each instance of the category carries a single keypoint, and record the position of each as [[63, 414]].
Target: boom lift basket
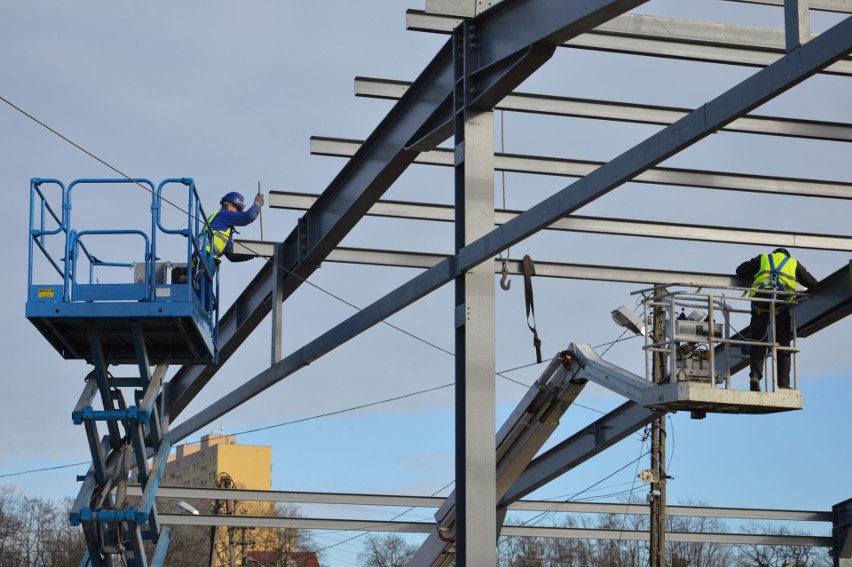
[[692, 349]]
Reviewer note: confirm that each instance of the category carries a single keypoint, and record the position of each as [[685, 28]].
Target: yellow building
[[219, 461], [250, 466]]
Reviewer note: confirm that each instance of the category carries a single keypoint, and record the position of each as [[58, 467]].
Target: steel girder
[[659, 175], [782, 75], [508, 54], [623, 111], [577, 223], [672, 38]]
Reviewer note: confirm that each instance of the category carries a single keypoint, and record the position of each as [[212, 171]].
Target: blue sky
[[230, 93]]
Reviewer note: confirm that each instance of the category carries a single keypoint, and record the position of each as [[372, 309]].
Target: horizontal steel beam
[[840, 6], [520, 531], [658, 176], [688, 511], [598, 225], [543, 269], [625, 112], [358, 499], [468, 7], [657, 36]]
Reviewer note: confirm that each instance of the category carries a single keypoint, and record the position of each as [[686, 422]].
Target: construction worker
[[220, 238], [223, 221], [776, 271]]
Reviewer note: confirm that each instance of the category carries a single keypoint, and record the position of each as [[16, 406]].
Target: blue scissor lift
[[107, 295]]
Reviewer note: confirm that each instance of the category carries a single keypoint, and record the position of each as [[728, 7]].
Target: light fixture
[[188, 508], [623, 317]]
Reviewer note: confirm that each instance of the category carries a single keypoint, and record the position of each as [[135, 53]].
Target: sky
[[230, 94]]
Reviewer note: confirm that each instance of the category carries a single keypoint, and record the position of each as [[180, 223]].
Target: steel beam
[[580, 447], [842, 533], [830, 302], [578, 223], [421, 119], [627, 112], [408, 501], [796, 23], [659, 175], [515, 267], [841, 6], [521, 531], [673, 38], [468, 8], [757, 89], [475, 343]]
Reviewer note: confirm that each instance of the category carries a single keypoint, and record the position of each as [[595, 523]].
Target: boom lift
[[697, 352], [95, 300]]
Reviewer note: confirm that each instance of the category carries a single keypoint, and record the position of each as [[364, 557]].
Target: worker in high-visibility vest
[[220, 229], [773, 273], [223, 221]]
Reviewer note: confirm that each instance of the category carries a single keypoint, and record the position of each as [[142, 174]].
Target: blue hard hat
[[235, 199]]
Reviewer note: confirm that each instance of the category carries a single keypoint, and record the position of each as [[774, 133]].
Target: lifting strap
[[529, 271]]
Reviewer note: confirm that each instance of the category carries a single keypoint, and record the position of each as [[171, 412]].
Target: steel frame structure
[[487, 57]]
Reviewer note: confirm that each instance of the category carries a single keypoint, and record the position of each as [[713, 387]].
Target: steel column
[[842, 520], [796, 23], [475, 343]]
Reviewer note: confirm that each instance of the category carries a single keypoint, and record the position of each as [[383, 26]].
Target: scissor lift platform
[[178, 329], [74, 289], [137, 311]]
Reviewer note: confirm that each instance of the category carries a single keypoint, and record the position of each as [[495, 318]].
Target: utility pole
[[657, 496], [658, 493]]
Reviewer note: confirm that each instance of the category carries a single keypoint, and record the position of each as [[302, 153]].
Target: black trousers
[[783, 330]]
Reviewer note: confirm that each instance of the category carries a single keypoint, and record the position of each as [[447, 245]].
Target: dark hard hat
[[781, 251], [235, 199]]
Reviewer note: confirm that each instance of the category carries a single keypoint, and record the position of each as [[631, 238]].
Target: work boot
[[754, 381]]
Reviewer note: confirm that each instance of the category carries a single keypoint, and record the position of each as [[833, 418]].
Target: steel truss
[[486, 58]]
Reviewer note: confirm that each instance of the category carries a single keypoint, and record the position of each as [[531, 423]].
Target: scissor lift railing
[[104, 295]]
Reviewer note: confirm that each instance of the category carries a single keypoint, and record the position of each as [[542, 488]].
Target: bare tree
[[385, 551], [35, 531], [697, 554], [9, 523], [780, 555]]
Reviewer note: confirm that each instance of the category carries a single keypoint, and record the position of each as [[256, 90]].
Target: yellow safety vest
[[777, 273], [219, 238]]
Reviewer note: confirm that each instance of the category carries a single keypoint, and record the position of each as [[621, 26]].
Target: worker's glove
[[259, 200]]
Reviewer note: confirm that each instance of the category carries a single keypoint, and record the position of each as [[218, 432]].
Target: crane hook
[[504, 280]]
